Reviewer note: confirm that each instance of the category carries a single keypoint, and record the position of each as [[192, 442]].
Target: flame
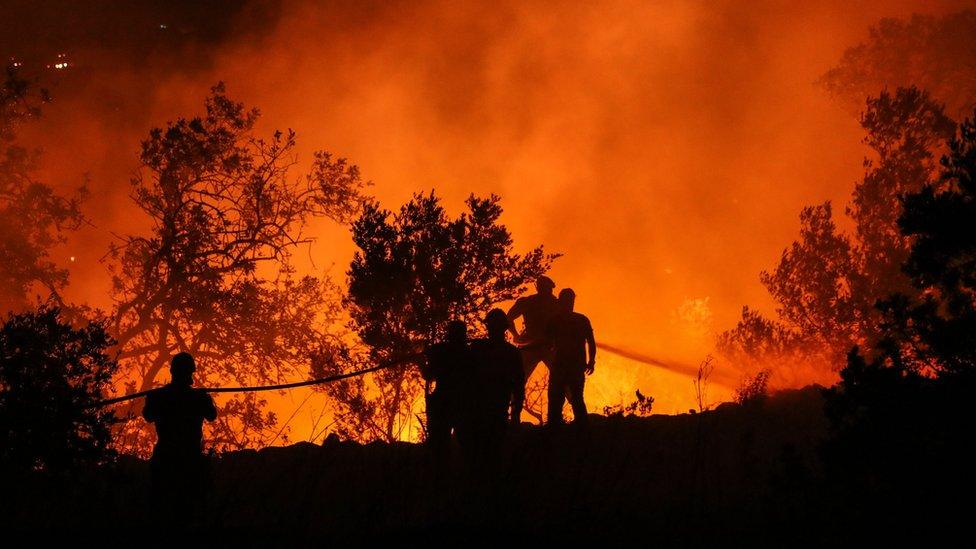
[[665, 148]]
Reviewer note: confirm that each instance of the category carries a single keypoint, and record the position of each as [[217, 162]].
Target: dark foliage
[[755, 389], [641, 406], [901, 416], [33, 217], [213, 275], [828, 282], [50, 376], [942, 264], [937, 54], [625, 478], [415, 270]]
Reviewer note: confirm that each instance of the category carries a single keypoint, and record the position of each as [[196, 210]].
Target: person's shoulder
[[543, 299], [581, 318], [478, 344], [560, 316], [154, 396], [161, 393]]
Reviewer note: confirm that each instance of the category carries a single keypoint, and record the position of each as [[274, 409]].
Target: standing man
[[497, 392], [179, 468], [535, 311], [574, 357], [447, 364]]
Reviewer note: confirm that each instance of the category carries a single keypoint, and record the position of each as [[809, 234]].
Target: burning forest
[[710, 262]]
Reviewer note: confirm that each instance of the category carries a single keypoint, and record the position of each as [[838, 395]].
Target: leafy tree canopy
[[937, 54], [828, 282], [213, 276], [415, 270], [51, 374], [33, 217]]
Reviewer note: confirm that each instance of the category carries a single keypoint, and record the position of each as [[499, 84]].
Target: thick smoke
[[664, 147]]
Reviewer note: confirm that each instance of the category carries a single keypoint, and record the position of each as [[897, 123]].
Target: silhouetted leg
[[531, 356], [438, 431], [200, 490], [575, 390], [548, 361], [471, 435], [167, 479], [469, 441], [557, 396]]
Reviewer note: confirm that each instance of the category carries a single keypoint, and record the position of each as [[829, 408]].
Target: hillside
[[687, 477]]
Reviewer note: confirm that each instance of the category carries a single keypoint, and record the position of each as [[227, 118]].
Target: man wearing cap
[[574, 357], [178, 411], [496, 393], [535, 311], [448, 363]]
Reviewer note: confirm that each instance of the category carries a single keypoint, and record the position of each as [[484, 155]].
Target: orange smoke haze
[[665, 148]]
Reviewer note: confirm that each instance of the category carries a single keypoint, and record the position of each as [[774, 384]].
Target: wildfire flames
[[664, 148]]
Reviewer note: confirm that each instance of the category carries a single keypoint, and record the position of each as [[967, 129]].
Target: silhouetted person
[[177, 410], [535, 311], [446, 365], [496, 392], [574, 357]]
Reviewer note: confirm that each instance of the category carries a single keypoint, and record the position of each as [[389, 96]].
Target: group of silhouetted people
[[477, 388], [559, 337]]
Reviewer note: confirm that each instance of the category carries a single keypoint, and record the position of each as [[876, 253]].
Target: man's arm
[[513, 314], [518, 391], [209, 410], [591, 348], [550, 332], [149, 409], [427, 366]]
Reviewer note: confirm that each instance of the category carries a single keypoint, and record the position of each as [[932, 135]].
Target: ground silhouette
[[764, 473], [685, 477]]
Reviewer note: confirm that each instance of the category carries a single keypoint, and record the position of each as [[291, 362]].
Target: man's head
[[496, 322], [181, 369], [544, 285], [567, 299], [457, 331]]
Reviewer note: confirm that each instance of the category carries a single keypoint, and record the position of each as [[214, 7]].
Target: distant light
[[164, 27], [72, 259], [61, 65]]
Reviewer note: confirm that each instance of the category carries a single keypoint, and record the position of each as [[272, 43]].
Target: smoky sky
[[665, 148]]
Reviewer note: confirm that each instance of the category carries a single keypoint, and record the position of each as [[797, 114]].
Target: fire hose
[[679, 368], [281, 386]]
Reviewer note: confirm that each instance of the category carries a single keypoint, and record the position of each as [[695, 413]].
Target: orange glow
[[665, 148]]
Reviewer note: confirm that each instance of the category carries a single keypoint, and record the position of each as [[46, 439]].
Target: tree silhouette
[[933, 53], [50, 376], [901, 412], [828, 282], [414, 271], [753, 390], [933, 330], [33, 217], [826, 308], [213, 276]]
